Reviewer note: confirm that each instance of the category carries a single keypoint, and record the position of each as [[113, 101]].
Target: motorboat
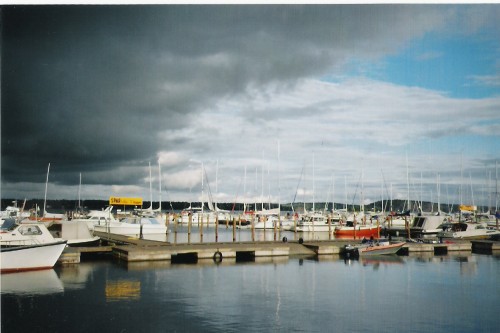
[[315, 222], [466, 230], [28, 246], [98, 217], [267, 222], [22, 234], [31, 257], [353, 229], [14, 212], [136, 225], [28, 233], [428, 225], [373, 248], [76, 232]]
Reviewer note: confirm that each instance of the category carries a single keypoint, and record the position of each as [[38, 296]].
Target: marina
[[131, 249], [257, 168]]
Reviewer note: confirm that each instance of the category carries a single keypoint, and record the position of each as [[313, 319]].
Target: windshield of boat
[[8, 224]]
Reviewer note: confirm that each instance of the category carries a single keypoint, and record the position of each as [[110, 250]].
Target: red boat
[[358, 231]]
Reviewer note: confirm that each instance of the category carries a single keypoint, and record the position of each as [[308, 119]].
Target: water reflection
[[122, 290], [305, 294], [32, 283], [76, 276]]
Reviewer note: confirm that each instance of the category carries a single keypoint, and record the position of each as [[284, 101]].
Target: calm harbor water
[[452, 293]]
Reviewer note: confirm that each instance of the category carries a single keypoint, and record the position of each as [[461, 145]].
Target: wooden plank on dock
[[323, 249], [199, 251]]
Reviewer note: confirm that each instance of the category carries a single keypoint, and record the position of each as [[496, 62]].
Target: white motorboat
[[315, 222], [428, 225], [466, 230], [76, 232], [98, 217], [14, 212], [23, 234], [267, 222], [136, 226], [28, 246], [373, 248], [31, 257]]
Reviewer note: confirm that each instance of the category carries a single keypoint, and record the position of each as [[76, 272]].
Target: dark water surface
[[452, 293]]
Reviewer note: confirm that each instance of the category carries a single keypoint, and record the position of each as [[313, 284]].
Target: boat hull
[[361, 231], [380, 249], [371, 249], [31, 257]]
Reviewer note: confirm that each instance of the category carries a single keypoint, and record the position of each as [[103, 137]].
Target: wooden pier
[[132, 249]]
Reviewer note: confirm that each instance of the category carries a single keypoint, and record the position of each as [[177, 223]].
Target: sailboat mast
[[313, 187], [216, 184], [362, 192], [333, 192], [202, 188], [461, 177], [79, 190], [496, 186], [345, 192], [439, 193], [279, 183], [45, 197], [408, 180], [159, 177], [262, 184], [150, 188], [245, 191]]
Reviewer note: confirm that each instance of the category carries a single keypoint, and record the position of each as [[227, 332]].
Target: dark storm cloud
[[89, 88]]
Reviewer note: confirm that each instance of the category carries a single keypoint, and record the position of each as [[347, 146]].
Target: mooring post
[[234, 229], [216, 228], [407, 225], [295, 225], [190, 220], [252, 225], [378, 230], [354, 224], [201, 229], [176, 220], [329, 228]]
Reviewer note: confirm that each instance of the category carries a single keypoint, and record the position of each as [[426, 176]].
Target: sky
[[283, 103]]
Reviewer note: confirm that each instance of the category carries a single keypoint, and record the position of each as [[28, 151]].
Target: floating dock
[[132, 249]]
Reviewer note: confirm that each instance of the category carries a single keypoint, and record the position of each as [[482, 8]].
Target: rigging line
[[386, 189], [236, 197], [297, 190], [208, 185]]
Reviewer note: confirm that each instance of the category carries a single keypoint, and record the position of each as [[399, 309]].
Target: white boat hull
[[31, 257]]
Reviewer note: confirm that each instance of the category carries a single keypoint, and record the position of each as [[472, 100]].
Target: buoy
[[301, 240], [285, 239], [217, 256]]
